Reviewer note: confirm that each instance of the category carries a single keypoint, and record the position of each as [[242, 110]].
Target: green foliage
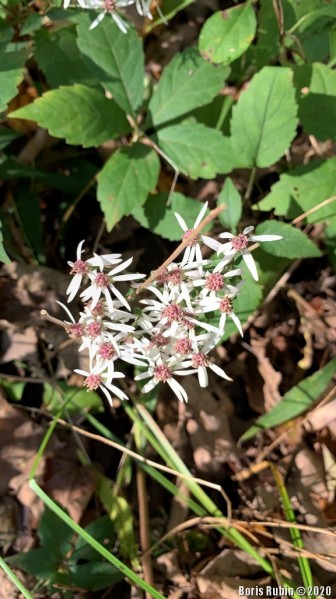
[[11, 72], [227, 34], [317, 99], [75, 399], [3, 255], [264, 119], [88, 118], [296, 401], [294, 243], [125, 181], [186, 83], [230, 197]]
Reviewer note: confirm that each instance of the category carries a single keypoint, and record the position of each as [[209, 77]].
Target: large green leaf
[[126, 180], [187, 82], [317, 99], [303, 188], [76, 399], [227, 34], [296, 401], [59, 59], [294, 243], [267, 45], [116, 60], [264, 120], [78, 114], [94, 576], [231, 198], [11, 73], [196, 150], [158, 217]]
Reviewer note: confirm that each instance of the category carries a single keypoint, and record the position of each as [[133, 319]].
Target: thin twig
[[54, 320], [156, 273], [144, 526]]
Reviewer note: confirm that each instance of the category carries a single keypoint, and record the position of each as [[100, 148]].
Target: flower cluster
[[111, 7], [178, 323]]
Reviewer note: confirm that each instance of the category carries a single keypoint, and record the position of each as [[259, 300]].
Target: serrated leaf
[[187, 82], [159, 218], [79, 114], [126, 180], [227, 34], [196, 150], [59, 59], [116, 60], [303, 188], [296, 401], [264, 120], [231, 198], [295, 243], [317, 99], [11, 74]]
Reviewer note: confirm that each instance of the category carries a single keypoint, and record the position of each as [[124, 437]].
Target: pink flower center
[[98, 310], [162, 277], [162, 373], [187, 324], [175, 276], [93, 329], [172, 312], [107, 351], [79, 267], [199, 360], [214, 282], [92, 382], [109, 5], [158, 341], [239, 242], [101, 280], [76, 331], [183, 346], [188, 234], [225, 305]]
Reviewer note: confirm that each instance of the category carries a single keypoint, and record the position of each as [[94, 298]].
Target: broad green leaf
[[116, 60], [102, 530], [14, 390], [295, 244], [303, 188], [37, 562], [227, 34], [75, 399], [186, 83], [79, 114], [296, 401], [231, 198], [126, 180], [267, 45], [11, 74], [34, 22], [54, 534], [59, 58], [196, 150], [94, 576], [3, 254], [159, 218], [264, 120], [317, 99]]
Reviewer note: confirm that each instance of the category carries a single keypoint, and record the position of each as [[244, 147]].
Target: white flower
[[163, 373], [200, 362], [95, 380], [224, 305], [238, 244], [193, 251]]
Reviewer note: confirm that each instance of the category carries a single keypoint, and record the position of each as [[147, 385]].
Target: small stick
[[213, 214], [60, 323]]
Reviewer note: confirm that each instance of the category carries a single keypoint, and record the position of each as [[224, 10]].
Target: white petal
[[248, 230], [74, 286], [226, 235], [237, 323], [200, 216], [250, 263], [97, 20], [181, 222], [178, 390], [203, 378], [211, 243], [120, 297], [219, 371], [120, 267], [66, 310], [149, 386], [266, 237], [123, 26]]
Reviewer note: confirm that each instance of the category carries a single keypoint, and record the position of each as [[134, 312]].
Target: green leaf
[[11, 74], [186, 83], [264, 120], [317, 99], [37, 562], [94, 576], [296, 401], [115, 59], [14, 390], [230, 197], [3, 255], [75, 399], [126, 180], [103, 531], [59, 59], [227, 34], [7, 136], [78, 114], [196, 150], [33, 22], [54, 534], [295, 243], [303, 188], [159, 218], [267, 45]]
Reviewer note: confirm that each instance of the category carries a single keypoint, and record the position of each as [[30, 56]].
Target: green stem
[[15, 579]]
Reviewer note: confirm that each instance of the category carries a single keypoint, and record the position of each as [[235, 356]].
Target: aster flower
[[95, 380], [238, 244], [106, 7], [224, 305], [163, 373], [200, 362], [193, 251]]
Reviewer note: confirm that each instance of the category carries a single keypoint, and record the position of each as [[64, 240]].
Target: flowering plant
[[170, 335]]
